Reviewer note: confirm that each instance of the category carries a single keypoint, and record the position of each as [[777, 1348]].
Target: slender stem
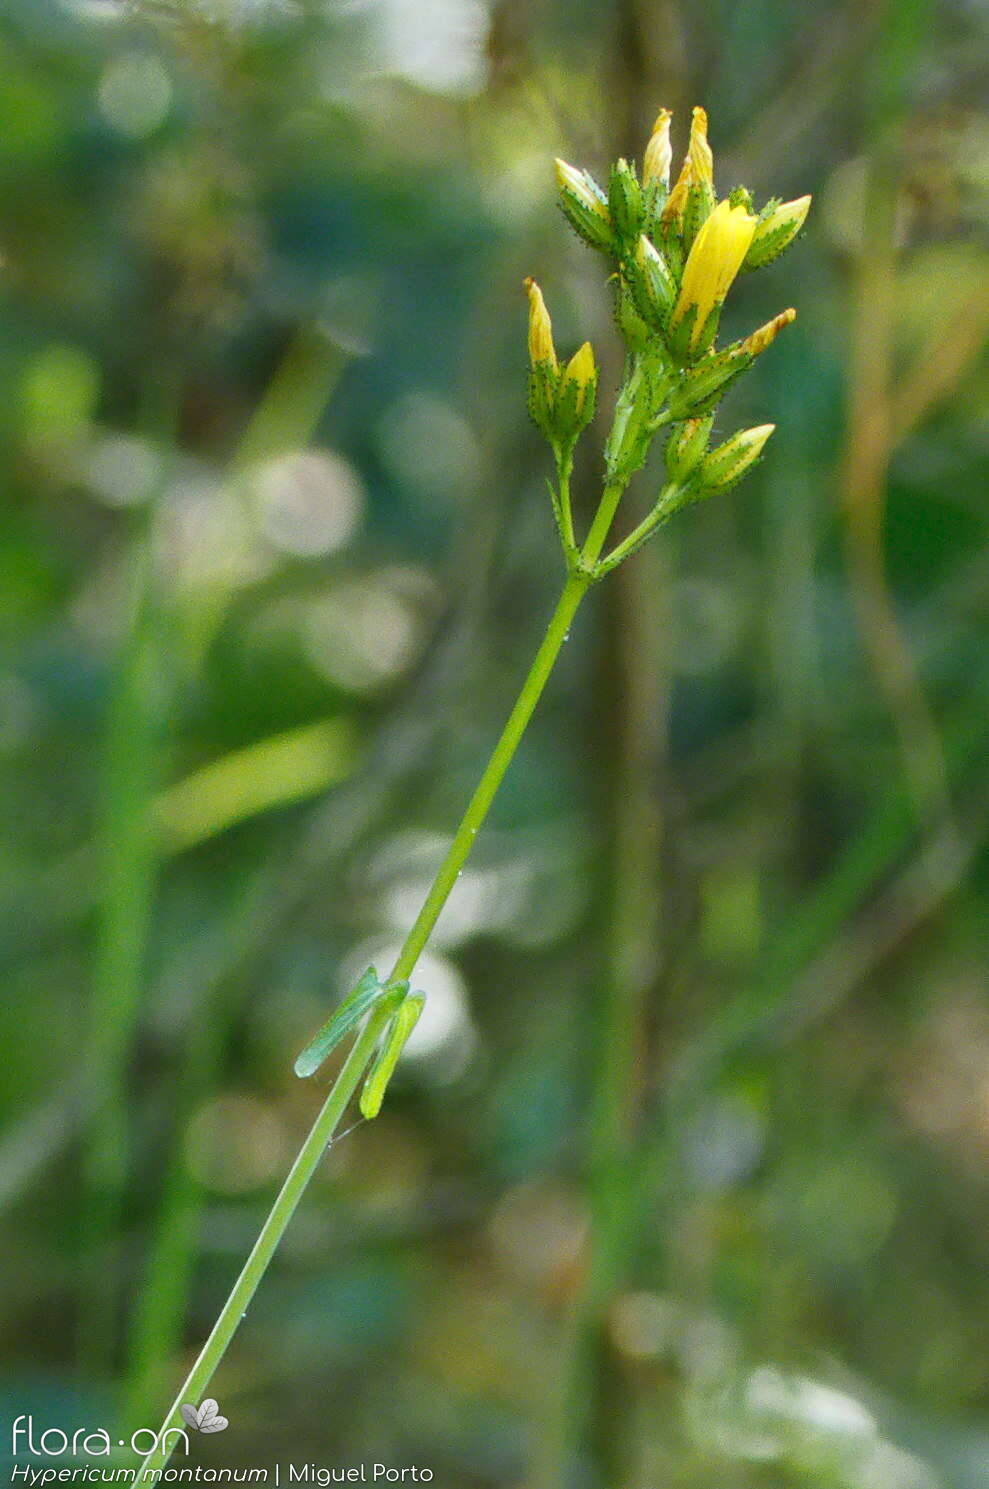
[[307, 1159], [638, 535], [346, 1082], [556, 633], [564, 472], [603, 518]]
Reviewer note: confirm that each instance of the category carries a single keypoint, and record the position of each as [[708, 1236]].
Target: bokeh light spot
[[310, 502], [135, 94]]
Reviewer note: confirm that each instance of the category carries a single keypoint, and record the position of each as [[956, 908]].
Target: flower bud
[[686, 446], [767, 334], [704, 384], [652, 284], [700, 193], [544, 371], [625, 201], [732, 460], [672, 218], [776, 227], [656, 161], [713, 262], [699, 151], [541, 348], [584, 206], [576, 395]]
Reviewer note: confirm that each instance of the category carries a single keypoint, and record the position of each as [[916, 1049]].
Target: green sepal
[[765, 249], [726, 465], [632, 328], [653, 287], [671, 246], [346, 1017], [698, 208], [593, 226], [702, 385], [654, 198], [680, 334], [543, 382], [686, 447], [625, 202], [575, 404], [709, 331], [404, 1021]]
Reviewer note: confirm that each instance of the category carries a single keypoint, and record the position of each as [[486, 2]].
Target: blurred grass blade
[[288, 767]]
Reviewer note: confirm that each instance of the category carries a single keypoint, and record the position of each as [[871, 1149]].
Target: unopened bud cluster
[[676, 251], [561, 399]]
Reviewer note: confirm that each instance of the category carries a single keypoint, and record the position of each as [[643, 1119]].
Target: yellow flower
[[699, 151], [714, 260], [541, 348], [656, 161]]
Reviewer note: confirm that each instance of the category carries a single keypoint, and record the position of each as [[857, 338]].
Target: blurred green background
[[685, 1179]]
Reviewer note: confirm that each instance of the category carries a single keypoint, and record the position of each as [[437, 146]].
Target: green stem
[[307, 1159], [603, 518], [346, 1082], [556, 633], [639, 534]]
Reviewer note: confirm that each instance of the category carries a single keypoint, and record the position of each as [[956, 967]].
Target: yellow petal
[[656, 161], [541, 347], [713, 261], [699, 151]]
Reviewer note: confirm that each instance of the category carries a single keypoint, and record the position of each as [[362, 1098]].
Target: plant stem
[[556, 633], [346, 1082], [603, 518], [639, 535], [307, 1159]]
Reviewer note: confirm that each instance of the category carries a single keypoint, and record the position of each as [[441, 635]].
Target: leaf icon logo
[[206, 1419]]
